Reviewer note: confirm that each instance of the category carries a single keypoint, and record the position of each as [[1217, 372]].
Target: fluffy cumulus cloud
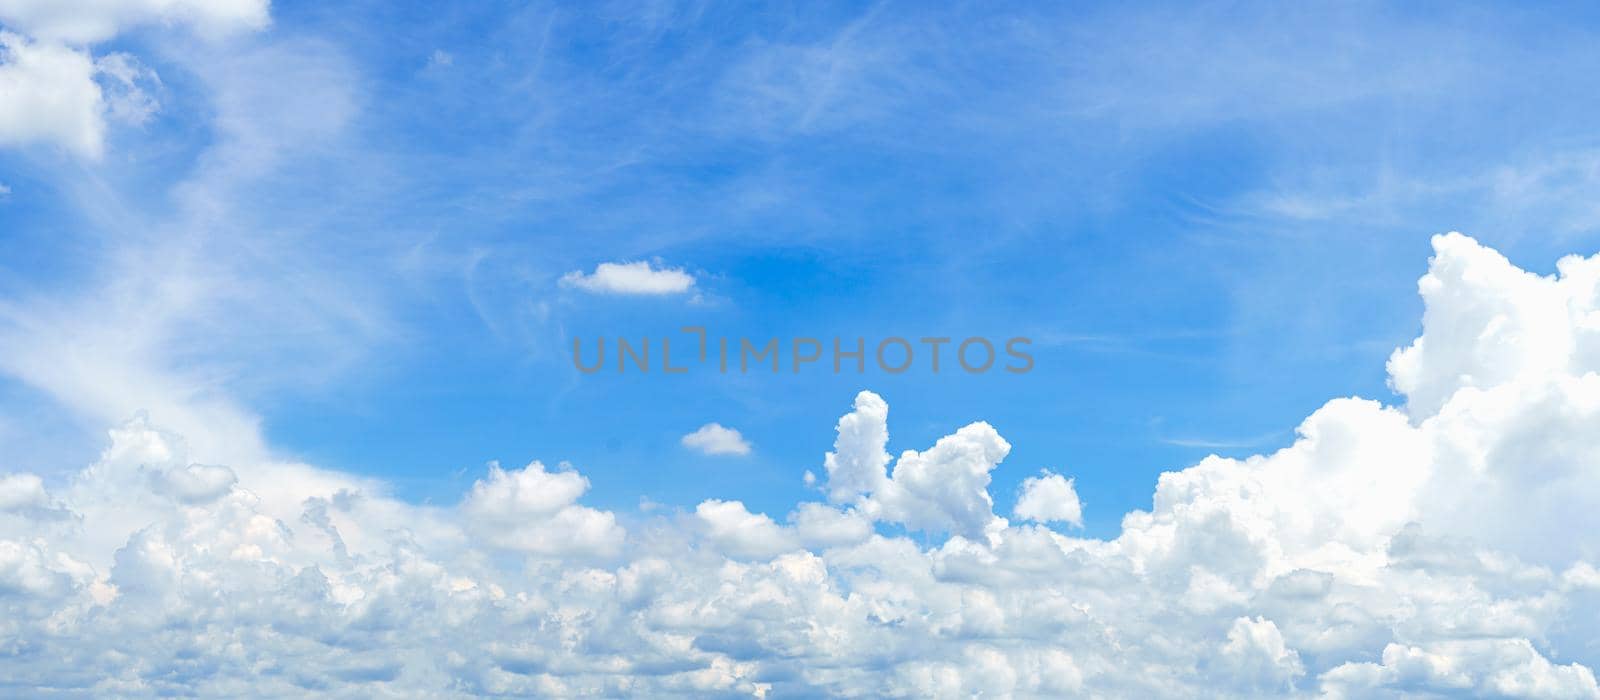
[[54, 91], [533, 510], [1440, 547], [715, 439], [635, 278], [48, 94], [1047, 498], [942, 490]]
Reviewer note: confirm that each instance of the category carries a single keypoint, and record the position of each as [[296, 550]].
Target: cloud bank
[[1439, 548]]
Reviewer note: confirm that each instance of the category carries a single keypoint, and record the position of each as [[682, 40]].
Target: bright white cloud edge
[[1433, 549]]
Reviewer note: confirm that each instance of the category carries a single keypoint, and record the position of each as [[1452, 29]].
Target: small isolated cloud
[[714, 439], [1049, 497], [5, 190], [441, 59], [629, 278]]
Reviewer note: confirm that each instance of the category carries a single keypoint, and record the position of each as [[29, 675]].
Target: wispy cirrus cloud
[[1218, 443], [193, 263]]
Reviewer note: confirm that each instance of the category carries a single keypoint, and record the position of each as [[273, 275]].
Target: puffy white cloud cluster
[[1443, 548], [53, 91]]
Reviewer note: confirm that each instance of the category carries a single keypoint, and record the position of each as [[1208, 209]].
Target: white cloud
[[124, 85], [740, 533], [48, 95], [1434, 550], [53, 91], [944, 489], [195, 483], [714, 439], [629, 278], [1509, 668], [856, 465], [25, 493], [90, 21], [1255, 654], [533, 510], [821, 526], [105, 350], [1047, 498]]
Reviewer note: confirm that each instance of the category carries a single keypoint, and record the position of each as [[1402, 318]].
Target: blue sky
[[289, 290], [1202, 216]]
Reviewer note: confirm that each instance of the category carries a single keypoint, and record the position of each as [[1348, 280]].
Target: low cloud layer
[[1437, 548]]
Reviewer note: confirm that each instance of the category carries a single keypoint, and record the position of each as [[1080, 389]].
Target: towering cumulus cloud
[[1444, 546]]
